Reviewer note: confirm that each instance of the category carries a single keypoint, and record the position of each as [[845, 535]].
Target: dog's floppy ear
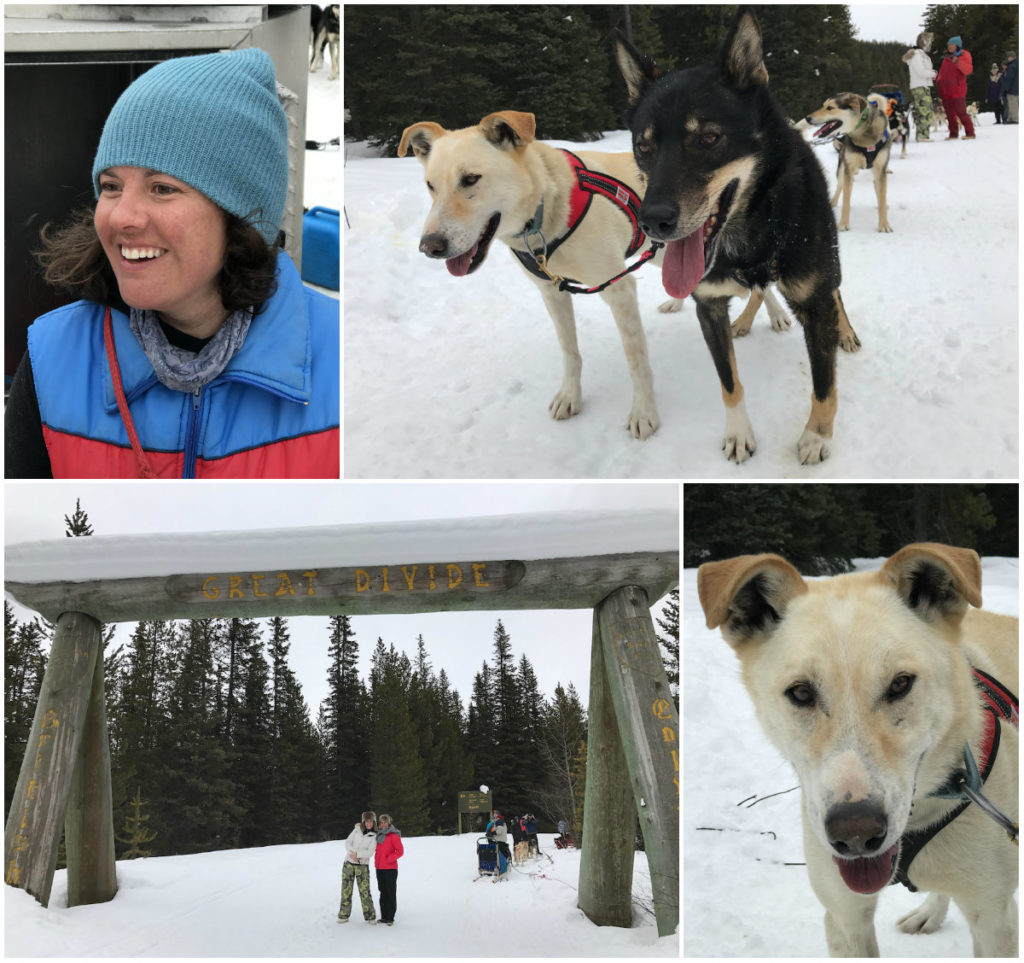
[[420, 137], [742, 53], [637, 69], [747, 595], [509, 128], [935, 581]]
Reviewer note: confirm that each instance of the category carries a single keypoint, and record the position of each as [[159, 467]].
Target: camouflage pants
[[350, 873], [923, 112]]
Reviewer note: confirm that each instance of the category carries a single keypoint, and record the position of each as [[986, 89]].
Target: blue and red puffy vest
[[272, 413]]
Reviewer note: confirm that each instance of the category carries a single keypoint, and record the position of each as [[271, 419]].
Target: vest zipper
[[192, 436]]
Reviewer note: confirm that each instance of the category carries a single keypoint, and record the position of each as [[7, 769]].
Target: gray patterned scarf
[[182, 370]]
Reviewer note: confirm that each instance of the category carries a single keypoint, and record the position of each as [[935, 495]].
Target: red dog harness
[[586, 185]]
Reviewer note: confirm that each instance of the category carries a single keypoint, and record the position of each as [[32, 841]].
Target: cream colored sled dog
[[866, 684]]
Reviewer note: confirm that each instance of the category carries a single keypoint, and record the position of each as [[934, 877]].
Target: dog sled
[[491, 861]]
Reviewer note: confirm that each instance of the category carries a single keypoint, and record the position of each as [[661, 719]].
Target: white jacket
[[362, 842], [920, 66]]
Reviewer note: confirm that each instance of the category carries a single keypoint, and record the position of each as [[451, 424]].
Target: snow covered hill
[[282, 901], [451, 377], [746, 892]]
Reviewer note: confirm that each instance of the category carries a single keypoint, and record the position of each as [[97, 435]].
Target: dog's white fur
[[848, 638], [333, 45]]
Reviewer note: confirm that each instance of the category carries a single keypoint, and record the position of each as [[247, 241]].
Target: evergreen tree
[[564, 731], [136, 835], [253, 738], [24, 665], [78, 523], [669, 624]]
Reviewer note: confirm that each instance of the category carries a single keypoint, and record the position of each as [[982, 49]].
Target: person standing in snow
[[530, 825], [952, 86], [922, 73], [1011, 87], [193, 349], [385, 859], [994, 92], [359, 851]]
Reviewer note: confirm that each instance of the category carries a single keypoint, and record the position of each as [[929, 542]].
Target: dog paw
[[849, 342], [813, 448], [565, 404], [741, 330], [738, 443], [643, 423], [844, 227], [671, 306], [884, 229], [780, 322], [928, 917]]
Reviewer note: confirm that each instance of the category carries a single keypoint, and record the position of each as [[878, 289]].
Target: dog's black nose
[[659, 220], [856, 829], [434, 245]]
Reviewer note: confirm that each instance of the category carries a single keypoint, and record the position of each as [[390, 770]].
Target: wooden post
[[89, 819], [609, 813], [40, 799], [649, 727]]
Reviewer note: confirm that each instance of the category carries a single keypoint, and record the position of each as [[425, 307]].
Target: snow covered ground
[[282, 901], [740, 900], [451, 377]]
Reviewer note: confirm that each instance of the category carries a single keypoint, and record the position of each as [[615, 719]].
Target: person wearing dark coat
[[1011, 86], [994, 92]]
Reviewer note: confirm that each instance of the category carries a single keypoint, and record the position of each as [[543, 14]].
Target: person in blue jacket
[[195, 350]]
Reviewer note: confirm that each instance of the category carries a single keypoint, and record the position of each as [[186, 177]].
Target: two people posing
[[383, 845]]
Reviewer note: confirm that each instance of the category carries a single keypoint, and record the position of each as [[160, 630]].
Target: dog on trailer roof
[[887, 696], [740, 200], [860, 129]]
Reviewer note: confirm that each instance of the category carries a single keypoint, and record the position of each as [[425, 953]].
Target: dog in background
[[521, 853], [325, 31], [860, 128], [883, 691]]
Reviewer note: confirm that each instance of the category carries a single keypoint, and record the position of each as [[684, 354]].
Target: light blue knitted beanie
[[212, 121]]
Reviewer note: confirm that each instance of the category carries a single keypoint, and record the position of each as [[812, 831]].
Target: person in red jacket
[[385, 859], [951, 84]]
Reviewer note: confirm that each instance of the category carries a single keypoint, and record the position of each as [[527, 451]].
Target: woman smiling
[[196, 351]]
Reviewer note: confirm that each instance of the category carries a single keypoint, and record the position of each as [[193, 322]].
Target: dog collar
[[534, 224]]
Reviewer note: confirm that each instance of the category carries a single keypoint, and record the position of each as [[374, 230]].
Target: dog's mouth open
[[688, 259], [826, 132], [868, 874], [467, 263]]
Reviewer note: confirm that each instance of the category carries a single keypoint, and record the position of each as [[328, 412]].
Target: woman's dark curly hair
[[73, 259]]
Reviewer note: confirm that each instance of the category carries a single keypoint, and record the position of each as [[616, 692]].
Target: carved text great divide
[[418, 578]]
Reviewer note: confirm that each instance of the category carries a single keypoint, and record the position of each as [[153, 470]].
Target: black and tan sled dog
[[741, 202]]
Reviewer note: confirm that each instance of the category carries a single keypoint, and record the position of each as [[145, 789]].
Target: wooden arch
[[617, 564]]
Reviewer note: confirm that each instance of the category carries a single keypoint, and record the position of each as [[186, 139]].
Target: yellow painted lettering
[[410, 577], [362, 580], [284, 585], [384, 587], [478, 574], [430, 572], [668, 734], [256, 593], [210, 589], [454, 580], [235, 587], [675, 759], [310, 589]]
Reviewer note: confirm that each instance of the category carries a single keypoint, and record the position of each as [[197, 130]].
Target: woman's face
[[384, 823], [368, 823], [165, 241]]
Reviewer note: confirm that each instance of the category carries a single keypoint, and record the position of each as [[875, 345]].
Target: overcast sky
[[556, 642], [888, 21]]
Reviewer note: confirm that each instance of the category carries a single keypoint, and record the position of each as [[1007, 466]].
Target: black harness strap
[[1000, 703], [870, 153]]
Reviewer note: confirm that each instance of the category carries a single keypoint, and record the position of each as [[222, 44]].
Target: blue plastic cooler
[[321, 249]]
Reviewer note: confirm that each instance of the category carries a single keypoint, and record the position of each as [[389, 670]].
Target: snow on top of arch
[[523, 536]]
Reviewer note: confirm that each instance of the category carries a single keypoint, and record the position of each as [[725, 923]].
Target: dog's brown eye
[[643, 149], [802, 695], [709, 138], [468, 180], [900, 686]]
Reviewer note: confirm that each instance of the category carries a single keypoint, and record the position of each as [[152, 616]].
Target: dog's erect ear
[[420, 137], [637, 69], [747, 595], [509, 128], [742, 53], [935, 581]]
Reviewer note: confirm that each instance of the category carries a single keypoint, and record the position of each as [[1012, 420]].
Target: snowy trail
[[282, 901], [451, 377]]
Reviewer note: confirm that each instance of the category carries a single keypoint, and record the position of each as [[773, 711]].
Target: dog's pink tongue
[[868, 875], [459, 266], [683, 266]]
